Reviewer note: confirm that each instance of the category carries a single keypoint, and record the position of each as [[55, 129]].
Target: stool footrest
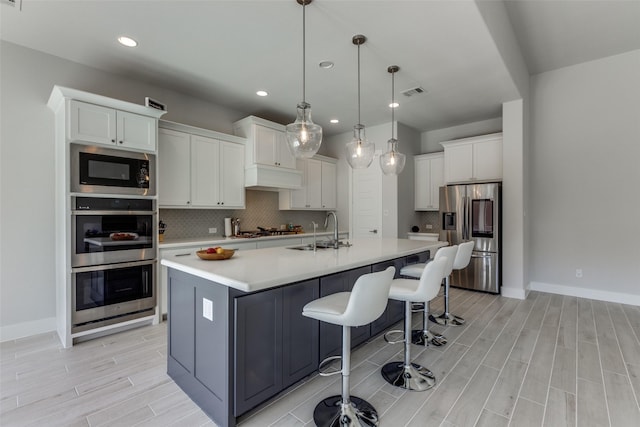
[[390, 341], [326, 371]]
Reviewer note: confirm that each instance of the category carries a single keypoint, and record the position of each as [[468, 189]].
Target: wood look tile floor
[[549, 360]]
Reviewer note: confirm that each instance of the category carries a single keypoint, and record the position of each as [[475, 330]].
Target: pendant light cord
[[304, 32], [393, 101], [359, 122]]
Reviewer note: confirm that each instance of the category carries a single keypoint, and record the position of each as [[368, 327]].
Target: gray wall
[[27, 287], [584, 155]]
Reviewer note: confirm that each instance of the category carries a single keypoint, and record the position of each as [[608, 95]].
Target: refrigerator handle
[[465, 227]]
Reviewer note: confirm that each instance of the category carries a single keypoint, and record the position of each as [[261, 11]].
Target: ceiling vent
[[413, 91]]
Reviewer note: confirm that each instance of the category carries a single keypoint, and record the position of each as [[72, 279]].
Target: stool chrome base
[[411, 377], [423, 338], [331, 412], [447, 319]]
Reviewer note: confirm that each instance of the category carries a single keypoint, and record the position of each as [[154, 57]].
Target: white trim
[[516, 293], [25, 329], [595, 294]]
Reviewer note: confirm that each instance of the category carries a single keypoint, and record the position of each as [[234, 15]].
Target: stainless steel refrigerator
[[473, 212]]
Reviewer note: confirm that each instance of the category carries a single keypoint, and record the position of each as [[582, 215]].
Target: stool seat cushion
[[403, 289], [328, 309], [413, 270], [423, 290]]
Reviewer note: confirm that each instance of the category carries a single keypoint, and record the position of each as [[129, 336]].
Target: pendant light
[[392, 162], [303, 136], [360, 152]]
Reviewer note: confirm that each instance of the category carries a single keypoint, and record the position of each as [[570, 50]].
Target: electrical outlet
[[428, 226], [579, 273], [213, 230]]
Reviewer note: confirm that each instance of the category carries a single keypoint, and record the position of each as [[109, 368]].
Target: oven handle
[[123, 212], [112, 266]]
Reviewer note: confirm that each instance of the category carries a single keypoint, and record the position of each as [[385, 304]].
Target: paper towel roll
[[227, 227]]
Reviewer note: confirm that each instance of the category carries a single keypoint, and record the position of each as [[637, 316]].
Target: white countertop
[[259, 269], [219, 240]]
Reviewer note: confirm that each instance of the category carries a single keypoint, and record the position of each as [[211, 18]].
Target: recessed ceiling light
[[326, 64], [334, 121], [394, 105], [127, 41], [262, 93]]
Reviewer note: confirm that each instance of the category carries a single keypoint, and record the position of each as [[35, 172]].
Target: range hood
[[271, 178]]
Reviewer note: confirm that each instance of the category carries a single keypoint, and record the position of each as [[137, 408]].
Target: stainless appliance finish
[[101, 170], [112, 293], [113, 260], [473, 212], [93, 219]]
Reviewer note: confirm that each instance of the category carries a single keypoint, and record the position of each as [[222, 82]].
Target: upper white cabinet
[[318, 190], [429, 177], [268, 162], [109, 126], [473, 159], [266, 142], [199, 171]]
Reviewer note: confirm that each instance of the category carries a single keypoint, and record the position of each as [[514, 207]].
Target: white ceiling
[[224, 51]]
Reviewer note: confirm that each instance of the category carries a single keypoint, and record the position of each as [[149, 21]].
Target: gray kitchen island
[[237, 336]]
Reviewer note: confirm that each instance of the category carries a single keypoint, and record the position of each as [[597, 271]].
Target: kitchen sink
[[305, 247], [319, 245]]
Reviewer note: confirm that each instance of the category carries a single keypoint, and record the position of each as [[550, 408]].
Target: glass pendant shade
[[392, 162], [303, 136], [360, 151]]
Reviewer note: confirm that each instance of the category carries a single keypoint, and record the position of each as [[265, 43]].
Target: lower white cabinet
[[318, 190], [200, 171], [429, 177]]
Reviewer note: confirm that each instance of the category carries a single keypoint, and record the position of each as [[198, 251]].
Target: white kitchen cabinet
[[199, 171], [473, 159], [329, 185], [108, 126], [318, 190], [174, 164], [266, 142], [429, 177]]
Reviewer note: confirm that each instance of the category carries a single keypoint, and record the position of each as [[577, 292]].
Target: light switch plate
[[207, 309]]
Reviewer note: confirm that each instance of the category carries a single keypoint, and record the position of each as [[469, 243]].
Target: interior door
[[366, 201]]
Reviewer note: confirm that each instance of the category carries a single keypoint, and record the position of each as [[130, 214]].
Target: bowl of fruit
[[215, 253]]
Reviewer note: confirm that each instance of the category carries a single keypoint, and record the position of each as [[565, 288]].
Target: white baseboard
[[25, 329], [595, 294], [513, 292]]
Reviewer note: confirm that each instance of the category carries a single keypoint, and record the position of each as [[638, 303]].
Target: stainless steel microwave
[[101, 170]]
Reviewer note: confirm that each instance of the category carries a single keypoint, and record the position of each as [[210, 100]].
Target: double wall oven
[[113, 237]]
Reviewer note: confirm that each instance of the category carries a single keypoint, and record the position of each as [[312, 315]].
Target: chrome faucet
[[336, 243], [315, 227]]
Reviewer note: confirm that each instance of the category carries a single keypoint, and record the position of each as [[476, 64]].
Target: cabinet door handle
[[120, 142], [113, 140], [374, 231], [188, 202]]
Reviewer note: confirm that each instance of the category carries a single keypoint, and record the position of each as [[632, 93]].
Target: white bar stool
[[461, 260], [405, 374], [364, 304], [424, 337]]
